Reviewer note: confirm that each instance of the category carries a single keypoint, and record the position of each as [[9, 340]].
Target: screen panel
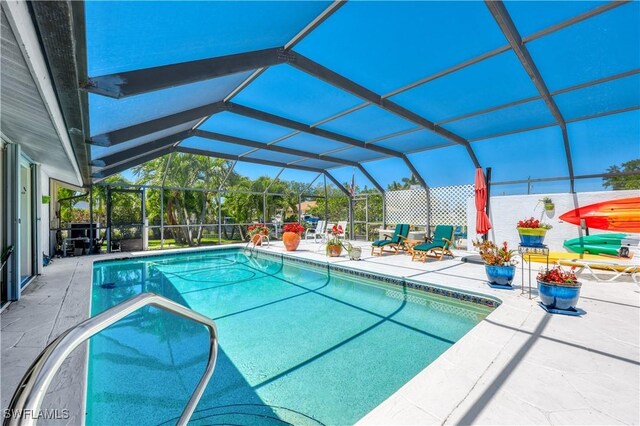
[[101, 151], [598, 47], [239, 126], [389, 172], [293, 94], [533, 16], [368, 123], [347, 175], [600, 143], [610, 96], [358, 154], [261, 154], [519, 117], [470, 89], [107, 114], [311, 143], [414, 141], [320, 164], [177, 31], [386, 45], [214, 146], [534, 154], [444, 166]]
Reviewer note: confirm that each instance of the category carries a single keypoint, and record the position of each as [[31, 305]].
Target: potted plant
[[292, 235], [558, 289], [257, 233], [547, 202], [532, 232], [334, 245], [499, 263]]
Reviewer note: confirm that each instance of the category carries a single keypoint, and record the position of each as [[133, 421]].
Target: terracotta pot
[[291, 240], [334, 250], [257, 239]]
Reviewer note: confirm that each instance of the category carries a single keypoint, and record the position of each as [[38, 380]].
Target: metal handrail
[[28, 397]]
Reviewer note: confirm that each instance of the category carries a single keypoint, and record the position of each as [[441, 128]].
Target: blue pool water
[[298, 344]]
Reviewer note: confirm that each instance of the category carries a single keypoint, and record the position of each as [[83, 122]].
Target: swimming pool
[[299, 343]]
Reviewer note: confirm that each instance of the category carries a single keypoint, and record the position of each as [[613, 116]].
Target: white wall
[[506, 211]]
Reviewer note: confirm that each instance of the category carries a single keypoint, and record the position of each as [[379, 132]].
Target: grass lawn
[[170, 243]]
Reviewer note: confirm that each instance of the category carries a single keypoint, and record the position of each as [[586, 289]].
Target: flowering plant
[[491, 254], [258, 229], [532, 223], [557, 275], [293, 227], [335, 232]]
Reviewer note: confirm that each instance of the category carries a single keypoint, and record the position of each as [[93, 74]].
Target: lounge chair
[[618, 269], [437, 247], [391, 243], [318, 231]]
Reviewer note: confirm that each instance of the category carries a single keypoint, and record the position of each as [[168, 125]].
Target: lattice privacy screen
[[448, 205]]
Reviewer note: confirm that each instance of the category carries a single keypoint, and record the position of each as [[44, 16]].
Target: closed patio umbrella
[[483, 224]]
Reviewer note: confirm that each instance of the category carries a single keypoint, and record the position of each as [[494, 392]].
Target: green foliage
[[406, 183], [631, 181]]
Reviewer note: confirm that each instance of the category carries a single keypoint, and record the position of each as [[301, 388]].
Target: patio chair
[[318, 231], [437, 247], [391, 243], [343, 225]]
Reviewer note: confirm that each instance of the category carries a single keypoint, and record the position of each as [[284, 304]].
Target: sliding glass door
[[25, 222]]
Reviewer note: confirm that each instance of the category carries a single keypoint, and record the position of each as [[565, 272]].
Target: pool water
[[298, 344]]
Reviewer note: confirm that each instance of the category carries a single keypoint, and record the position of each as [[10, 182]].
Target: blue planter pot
[[532, 237], [500, 275], [558, 296]]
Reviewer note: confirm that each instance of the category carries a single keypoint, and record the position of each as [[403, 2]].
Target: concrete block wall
[[507, 210]]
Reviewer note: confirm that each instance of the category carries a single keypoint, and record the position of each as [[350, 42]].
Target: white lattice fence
[[407, 206], [448, 205]]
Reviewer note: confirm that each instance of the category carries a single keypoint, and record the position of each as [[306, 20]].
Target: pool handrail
[[26, 401]]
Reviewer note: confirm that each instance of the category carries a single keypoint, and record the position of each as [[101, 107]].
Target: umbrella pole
[[488, 179]]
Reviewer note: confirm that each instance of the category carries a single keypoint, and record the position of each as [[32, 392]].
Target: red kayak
[[621, 215]]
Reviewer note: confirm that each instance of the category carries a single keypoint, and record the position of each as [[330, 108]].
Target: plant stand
[[522, 250]]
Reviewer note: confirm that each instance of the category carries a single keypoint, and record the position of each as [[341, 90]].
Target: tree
[[186, 208], [627, 181]]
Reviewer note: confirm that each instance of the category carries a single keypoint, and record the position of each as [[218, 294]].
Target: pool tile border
[[397, 281], [465, 296]]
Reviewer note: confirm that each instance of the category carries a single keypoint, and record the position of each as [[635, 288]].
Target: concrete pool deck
[[518, 366]]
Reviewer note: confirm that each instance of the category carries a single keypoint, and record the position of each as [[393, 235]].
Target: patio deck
[[520, 365]]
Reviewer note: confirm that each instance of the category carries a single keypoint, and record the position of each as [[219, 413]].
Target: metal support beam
[[415, 172], [142, 129], [502, 17], [245, 159], [301, 127], [275, 148], [136, 82], [266, 190], [371, 179], [226, 176], [120, 156], [335, 79], [131, 163], [336, 183]]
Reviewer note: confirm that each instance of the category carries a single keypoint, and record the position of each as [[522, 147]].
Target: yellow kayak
[[566, 260]]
